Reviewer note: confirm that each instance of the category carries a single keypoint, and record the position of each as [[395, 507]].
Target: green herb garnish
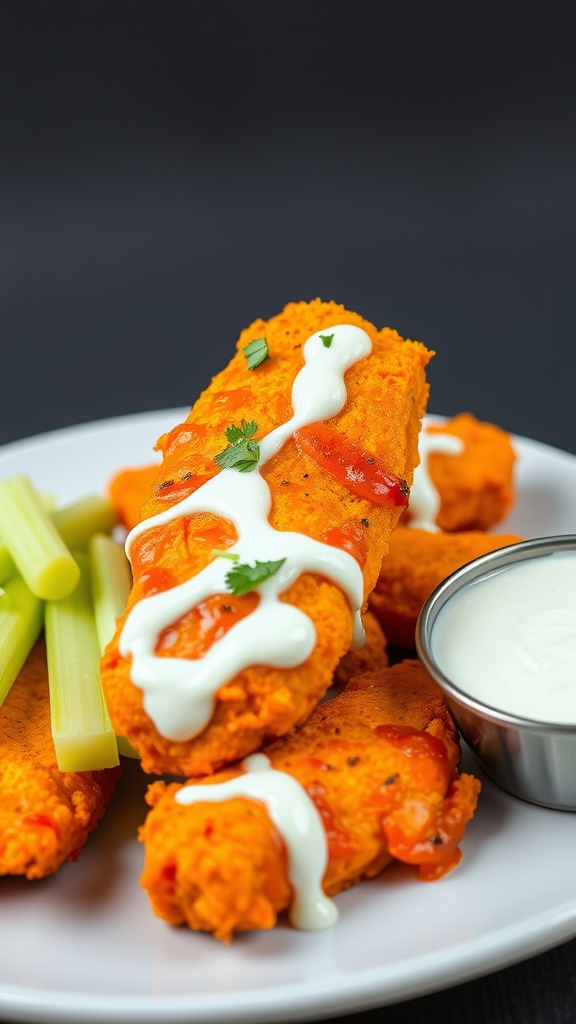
[[256, 352], [244, 578], [327, 339], [242, 453], [225, 554]]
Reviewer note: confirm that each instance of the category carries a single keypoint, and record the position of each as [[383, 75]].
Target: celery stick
[[7, 565], [83, 736], [77, 522], [111, 581], [34, 542], [21, 617]]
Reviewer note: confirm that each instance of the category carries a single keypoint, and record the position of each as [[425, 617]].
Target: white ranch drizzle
[[424, 497], [295, 816], [178, 694]]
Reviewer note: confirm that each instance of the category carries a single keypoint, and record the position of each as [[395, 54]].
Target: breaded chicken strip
[[129, 489], [373, 655], [335, 480], [473, 479], [379, 763], [46, 815], [417, 562]]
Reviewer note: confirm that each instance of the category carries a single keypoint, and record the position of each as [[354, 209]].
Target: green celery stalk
[[83, 736], [33, 541], [75, 523], [7, 566], [111, 581], [21, 618]]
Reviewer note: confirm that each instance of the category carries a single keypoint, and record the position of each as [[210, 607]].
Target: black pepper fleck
[[352, 760], [365, 522], [391, 779]]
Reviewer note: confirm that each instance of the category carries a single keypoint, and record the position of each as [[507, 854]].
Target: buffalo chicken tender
[[129, 489], [466, 477], [324, 432], [372, 655], [417, 563], [379, 764], [46, 815]]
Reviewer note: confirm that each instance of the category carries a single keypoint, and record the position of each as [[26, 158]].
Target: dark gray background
[[172, 170]]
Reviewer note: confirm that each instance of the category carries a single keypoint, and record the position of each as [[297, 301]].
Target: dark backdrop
[[172, 170], [169, 171]]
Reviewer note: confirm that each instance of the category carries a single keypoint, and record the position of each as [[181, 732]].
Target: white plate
[[83, 946]]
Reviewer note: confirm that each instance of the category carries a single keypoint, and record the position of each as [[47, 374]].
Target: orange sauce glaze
[[358, 470], [437, 856]]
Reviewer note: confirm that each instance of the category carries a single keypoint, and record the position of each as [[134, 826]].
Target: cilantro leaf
[[241, 454], [327, 340], [241, 433], [244, 578], [256, 352]]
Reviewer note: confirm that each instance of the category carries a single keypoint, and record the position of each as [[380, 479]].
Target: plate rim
[[333, 996]]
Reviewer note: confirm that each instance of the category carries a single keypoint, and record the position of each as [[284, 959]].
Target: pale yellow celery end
[[83, 736], [111, 581], [77, 523], [126, 749], [7, 566], [33, 541], [21, 618]]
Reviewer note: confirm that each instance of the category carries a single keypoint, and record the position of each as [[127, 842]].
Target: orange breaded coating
[[46, 815], [379, 763], [416, 563], [386, 398], [371, 656], [476, 486], [129, 489]]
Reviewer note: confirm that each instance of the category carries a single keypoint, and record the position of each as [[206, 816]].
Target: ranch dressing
[[509, 638], [295, 816], [425, 500], [178, 693]]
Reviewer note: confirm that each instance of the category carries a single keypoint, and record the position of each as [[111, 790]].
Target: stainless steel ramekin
[[533, 760]]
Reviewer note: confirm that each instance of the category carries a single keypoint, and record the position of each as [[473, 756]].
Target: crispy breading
[[416, 563], [129, 489], [476, 486], [371, 656], [380, 764], [46, 815], [387, 394]]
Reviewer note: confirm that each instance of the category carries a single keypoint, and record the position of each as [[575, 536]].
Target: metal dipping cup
[[534, 760]]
